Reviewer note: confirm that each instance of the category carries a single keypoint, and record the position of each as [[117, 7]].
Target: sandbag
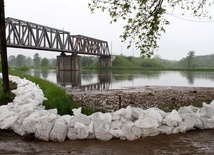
[[117, 133], [80, 118], [59, 131], [8, 122], [146, 121], [172, 119], [18, 129], [72, 133], [165, 129], [150, 132], [43, 130], [105, 136], [29, 124], [208, 123], [82, 130], [155, 114]]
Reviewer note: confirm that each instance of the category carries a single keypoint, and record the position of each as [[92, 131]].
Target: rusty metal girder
[[88, 45], [23, 34]]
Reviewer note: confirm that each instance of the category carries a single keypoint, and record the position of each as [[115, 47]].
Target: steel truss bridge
[[23, 34]]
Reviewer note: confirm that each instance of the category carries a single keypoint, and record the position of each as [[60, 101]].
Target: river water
[[93, 79]]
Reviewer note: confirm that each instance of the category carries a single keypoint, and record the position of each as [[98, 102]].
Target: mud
[[193, 142]]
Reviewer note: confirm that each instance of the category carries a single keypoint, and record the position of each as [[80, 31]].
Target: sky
[[74, 16]]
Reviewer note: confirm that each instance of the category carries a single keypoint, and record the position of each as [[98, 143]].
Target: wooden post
[[3, 49]]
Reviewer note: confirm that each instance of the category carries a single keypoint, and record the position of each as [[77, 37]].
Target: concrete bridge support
[[68, 62], [105, 61]]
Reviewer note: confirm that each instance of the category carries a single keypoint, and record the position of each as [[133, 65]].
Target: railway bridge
[[28, 35]]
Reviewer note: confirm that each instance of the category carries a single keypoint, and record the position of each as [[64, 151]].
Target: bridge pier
[[105, 61], [68, 62]]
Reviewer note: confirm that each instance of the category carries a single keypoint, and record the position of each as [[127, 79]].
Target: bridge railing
[[23, 34]]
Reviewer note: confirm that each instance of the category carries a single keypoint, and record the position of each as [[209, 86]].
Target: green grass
[[6, 97]]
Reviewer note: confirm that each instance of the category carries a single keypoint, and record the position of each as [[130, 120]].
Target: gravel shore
[[163, 97]]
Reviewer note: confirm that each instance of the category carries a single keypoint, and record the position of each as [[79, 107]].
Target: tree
[[36, 60], [29, 61], [190, 59], [145, 19], [20, 60], [12, 60], [44, 62]]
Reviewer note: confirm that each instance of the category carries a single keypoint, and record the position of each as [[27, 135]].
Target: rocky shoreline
[[163, 97]]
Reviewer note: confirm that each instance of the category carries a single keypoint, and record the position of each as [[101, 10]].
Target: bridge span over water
[[28, 35]]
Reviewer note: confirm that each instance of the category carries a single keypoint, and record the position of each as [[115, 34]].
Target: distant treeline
[[190, 61]]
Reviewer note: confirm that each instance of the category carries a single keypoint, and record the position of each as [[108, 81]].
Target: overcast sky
[[74, 16]]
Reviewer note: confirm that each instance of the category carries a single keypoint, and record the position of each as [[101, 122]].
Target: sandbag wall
[[27, 115]]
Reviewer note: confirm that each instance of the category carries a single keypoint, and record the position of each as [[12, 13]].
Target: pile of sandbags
[[27, 115]]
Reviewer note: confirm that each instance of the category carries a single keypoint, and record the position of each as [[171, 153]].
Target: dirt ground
[[193, 142]]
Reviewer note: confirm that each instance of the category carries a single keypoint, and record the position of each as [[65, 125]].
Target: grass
[[6, 97], [57, 97]]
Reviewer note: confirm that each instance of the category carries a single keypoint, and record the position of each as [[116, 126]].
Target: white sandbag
[[29, 125], [102, 130], [18, 129], [115, 117], [133, 134], [117, 133], [43, 130], [130, 131], [154, 113], [136, 112], [187, 109], [182, 127], [212, 104], [105, 136], [115, 125], [150, 132], [54, 111], [207, 110], [72, 133], [126, 126], [127, 113], [189, 119], [59, 131], [105, 117], [198, 124], [82, 130], [77, 112], [145, 121], [208, 123], [91, 127], [3, 108], [119, 112], [165, 129], [67, 118], [8, 122], [5, 114], [80, 118], [172, 119]]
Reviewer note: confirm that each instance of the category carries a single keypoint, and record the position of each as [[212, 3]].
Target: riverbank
[[163, 97]]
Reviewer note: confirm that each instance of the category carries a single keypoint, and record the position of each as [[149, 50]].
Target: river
[[93, 79]]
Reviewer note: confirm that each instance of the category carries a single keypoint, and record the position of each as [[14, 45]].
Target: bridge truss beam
[[23, 34]]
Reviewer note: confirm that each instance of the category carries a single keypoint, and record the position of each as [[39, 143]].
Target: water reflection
[[72, 78], [191, 76], [100, 80]]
